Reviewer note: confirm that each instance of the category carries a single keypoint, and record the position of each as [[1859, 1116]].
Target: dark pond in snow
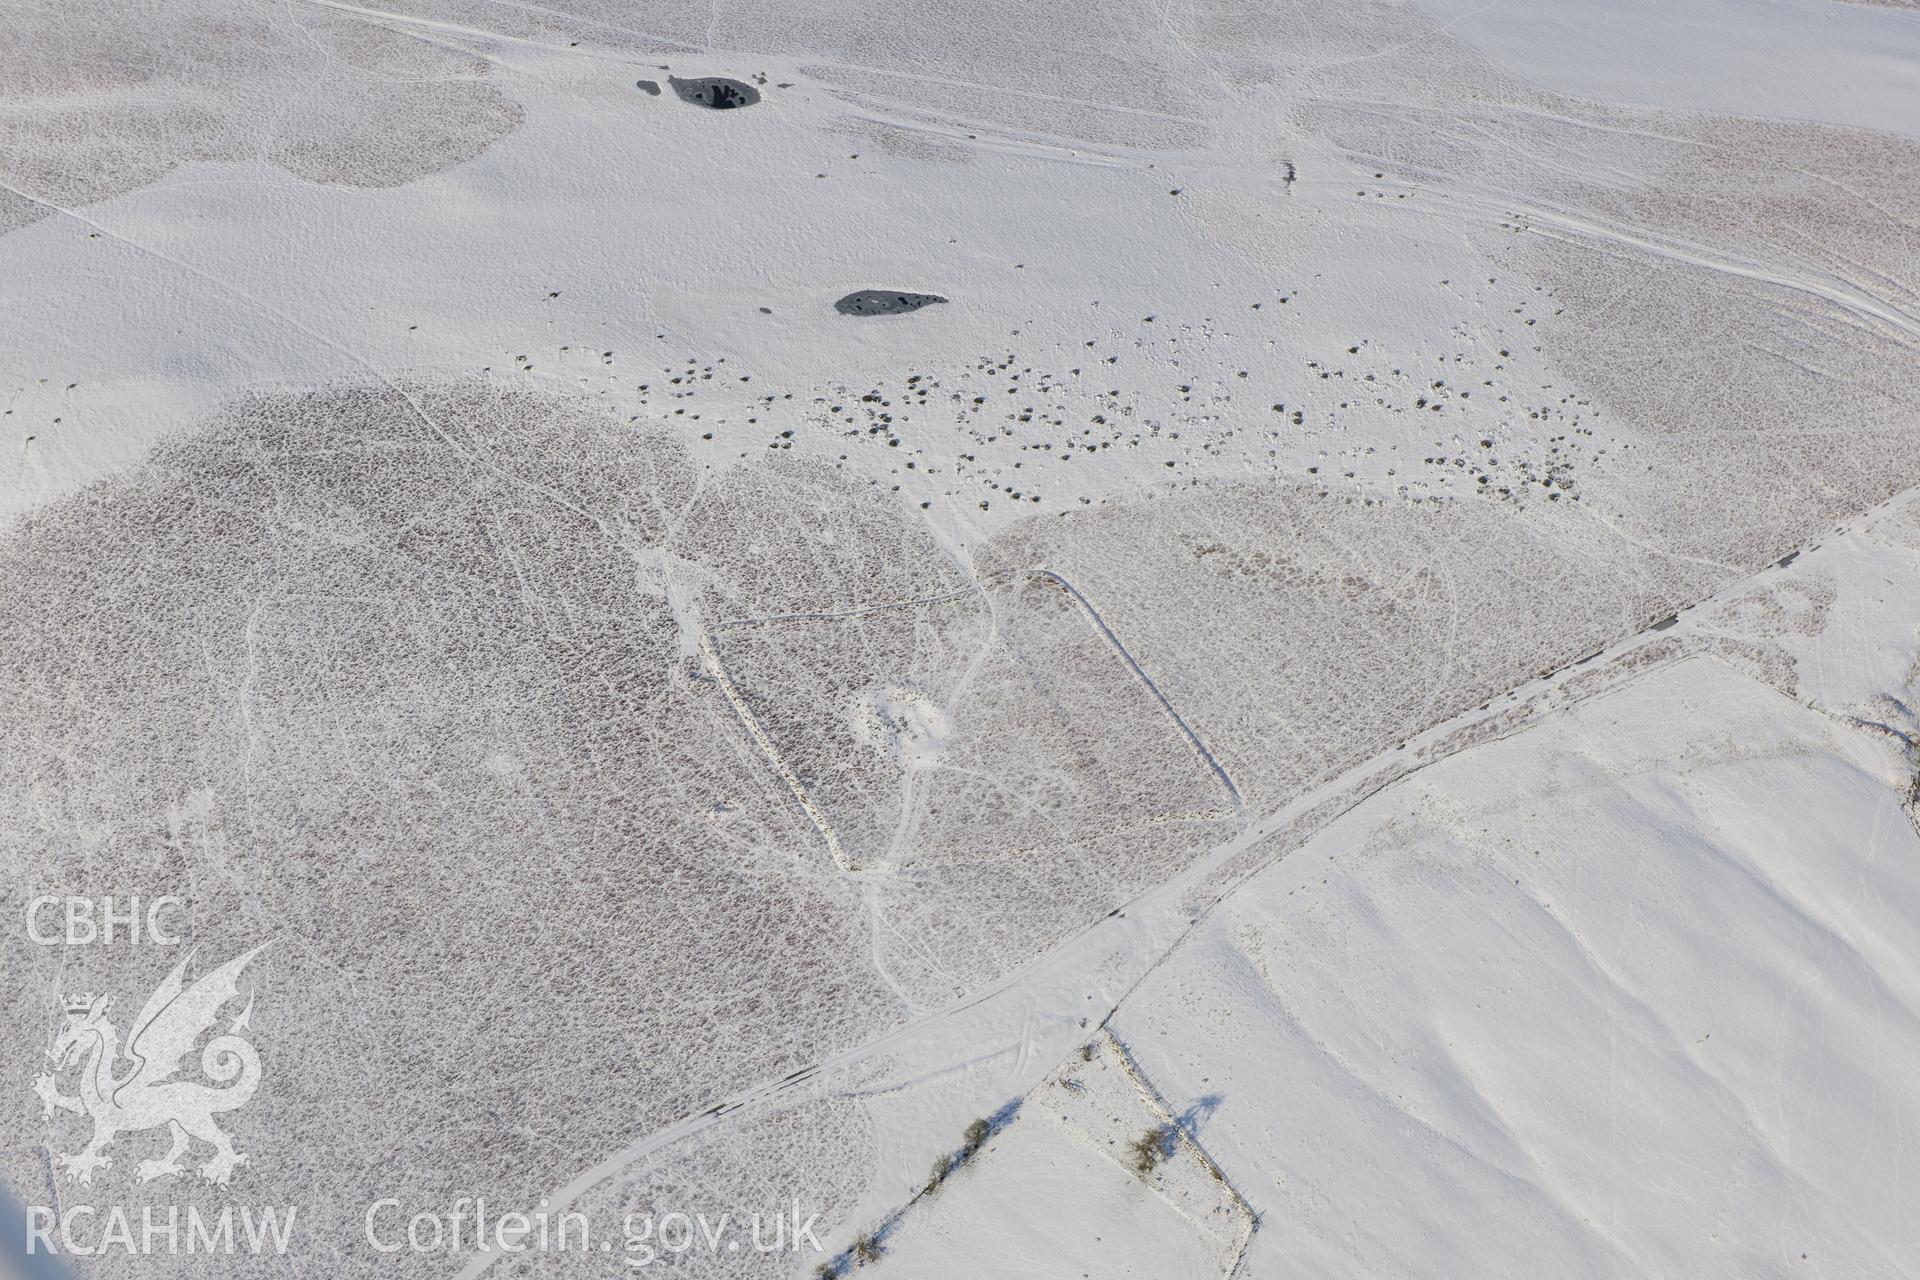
[[715, 92], [884, 302]]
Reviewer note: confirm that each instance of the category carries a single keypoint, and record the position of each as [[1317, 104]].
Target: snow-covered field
[[1316, 679]]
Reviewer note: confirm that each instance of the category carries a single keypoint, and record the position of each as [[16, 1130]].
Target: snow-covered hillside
[[1232, 639]]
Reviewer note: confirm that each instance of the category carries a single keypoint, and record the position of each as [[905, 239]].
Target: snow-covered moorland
[[1224, 640]]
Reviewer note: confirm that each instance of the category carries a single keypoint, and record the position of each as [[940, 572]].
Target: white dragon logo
[[140, 1093]]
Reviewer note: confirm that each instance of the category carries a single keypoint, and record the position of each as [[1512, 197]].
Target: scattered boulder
[[651, 87]]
